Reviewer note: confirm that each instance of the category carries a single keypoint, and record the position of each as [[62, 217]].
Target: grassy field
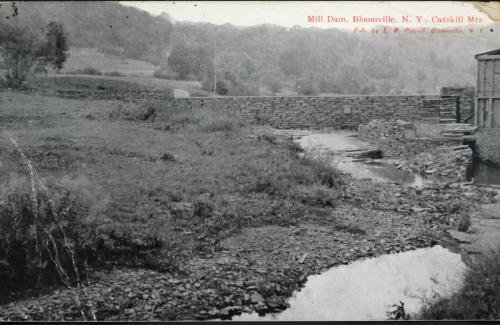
[[90, 69], [181, 214], [141, 186], [83, 82]]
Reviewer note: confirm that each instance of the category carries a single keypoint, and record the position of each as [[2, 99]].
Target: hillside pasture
[[86, 82], [82, 58]]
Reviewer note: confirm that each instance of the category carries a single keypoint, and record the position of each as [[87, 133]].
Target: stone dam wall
[[320, 112], [300, 112]]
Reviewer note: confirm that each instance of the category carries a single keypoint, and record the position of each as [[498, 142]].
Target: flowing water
[[366, 289], [336, 149], [336, 146]]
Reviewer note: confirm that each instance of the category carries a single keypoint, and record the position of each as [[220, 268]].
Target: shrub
[[221, 87], [218, 122], [271, 138], [316, 195], [219, 125], [87, 71], [145, 111], [32, 242], [309, 171], [112, 74]]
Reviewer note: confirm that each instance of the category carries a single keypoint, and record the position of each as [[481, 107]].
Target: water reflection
[[366, 290], [337, 149]]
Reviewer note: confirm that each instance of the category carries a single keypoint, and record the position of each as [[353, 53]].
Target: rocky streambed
[[258, 269]]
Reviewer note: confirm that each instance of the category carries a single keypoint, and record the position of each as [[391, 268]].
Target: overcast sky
[[290, 13]]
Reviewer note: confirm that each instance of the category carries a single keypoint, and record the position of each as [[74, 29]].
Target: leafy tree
[[56, 47], [25, 50], [189, 61], [273, 79], [222, 88]]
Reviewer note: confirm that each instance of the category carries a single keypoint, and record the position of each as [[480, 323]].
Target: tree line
[[269, 59]]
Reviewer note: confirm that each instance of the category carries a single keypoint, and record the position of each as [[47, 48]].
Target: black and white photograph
[[249, 161]]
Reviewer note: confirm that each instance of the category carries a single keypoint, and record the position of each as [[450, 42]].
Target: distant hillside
[[267, 59], [109, 26], [333, 61]]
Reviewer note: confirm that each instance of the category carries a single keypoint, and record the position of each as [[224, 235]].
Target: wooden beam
[[493, 77], [489, 105], [489, 57], [484, 77], [488, 97], [481, 115], [475, 112], [477, 79]]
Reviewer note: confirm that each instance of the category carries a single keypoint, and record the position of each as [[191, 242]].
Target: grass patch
[[91, 80], [478, 299]]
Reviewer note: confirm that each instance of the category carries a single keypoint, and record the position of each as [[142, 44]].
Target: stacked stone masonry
[[342, 112], [464, 98], [123, 95], [398, 138], [315, 112]]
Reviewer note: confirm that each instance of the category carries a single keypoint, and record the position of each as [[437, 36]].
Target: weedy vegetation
[[479, 297], [118, 189]]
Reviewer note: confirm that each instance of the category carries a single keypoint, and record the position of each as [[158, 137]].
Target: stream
[[369, 289], [336, 148]]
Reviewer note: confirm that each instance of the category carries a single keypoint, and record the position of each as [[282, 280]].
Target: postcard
[[249, 160]]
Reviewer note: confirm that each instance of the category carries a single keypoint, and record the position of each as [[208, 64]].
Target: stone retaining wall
[[398, 138]]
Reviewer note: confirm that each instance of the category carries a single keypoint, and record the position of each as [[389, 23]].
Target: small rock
[[174, 281], [213, 312], [256, 297], [225, 311]]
